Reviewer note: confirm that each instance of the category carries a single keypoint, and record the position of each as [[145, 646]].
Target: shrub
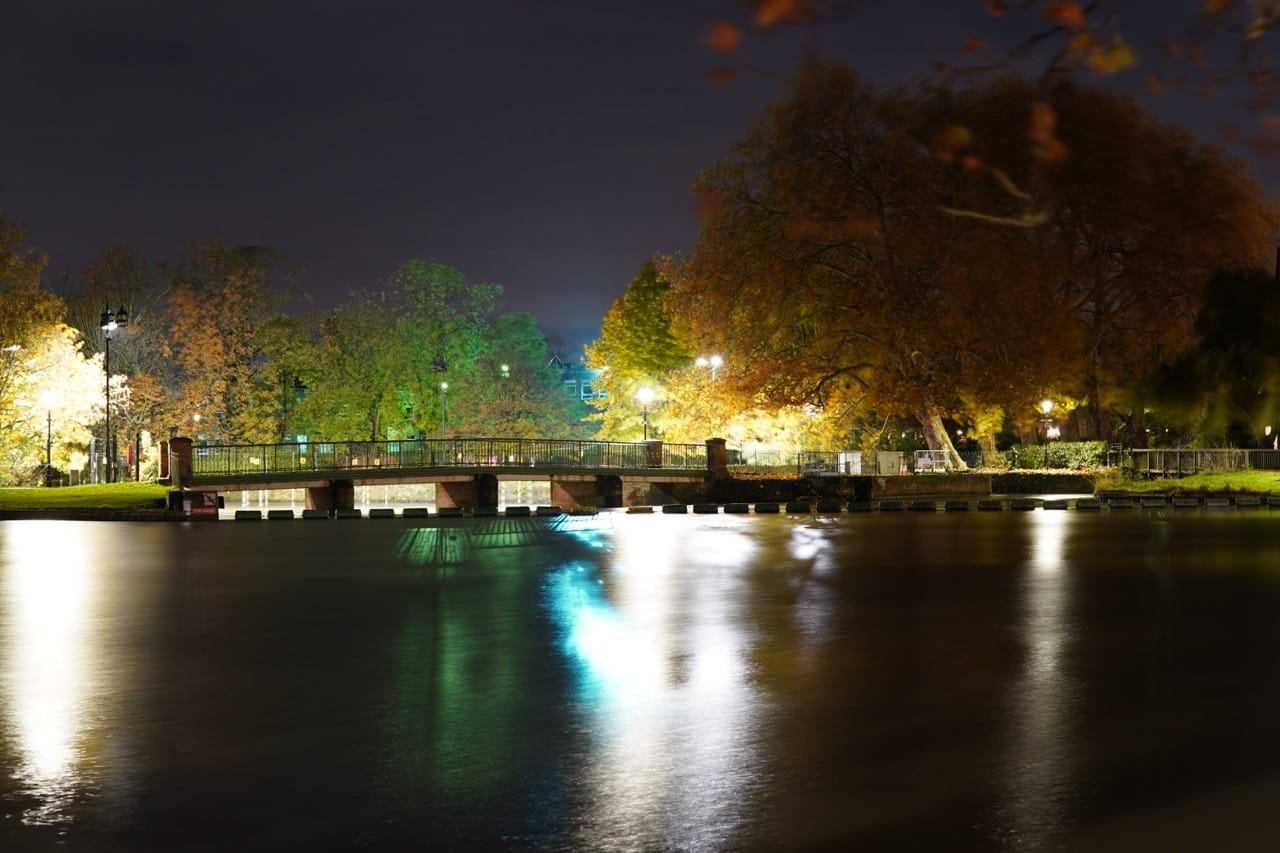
[[1057, 455]]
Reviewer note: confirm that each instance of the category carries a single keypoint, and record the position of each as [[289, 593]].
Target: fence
[[1183, 462]]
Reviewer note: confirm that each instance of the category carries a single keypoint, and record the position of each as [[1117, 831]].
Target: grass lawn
[[121, 496], [1233, 482]]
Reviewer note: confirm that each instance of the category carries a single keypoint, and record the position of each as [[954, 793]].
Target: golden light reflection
[[673, 723], [1040, 757], [46, 587]]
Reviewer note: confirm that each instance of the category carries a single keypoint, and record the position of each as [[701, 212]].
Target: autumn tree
[[55, 395], [28, 307], [822, 272], [835, 271], [1137, 229], [46, 379], [636, 349], [213, 318]]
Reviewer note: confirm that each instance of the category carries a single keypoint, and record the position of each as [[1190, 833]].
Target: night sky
[[546, 146]]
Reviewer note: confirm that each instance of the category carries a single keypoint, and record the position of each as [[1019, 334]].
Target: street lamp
[[48, 399], [110, 322], [645, 396], [713, 362], [1050, 430]]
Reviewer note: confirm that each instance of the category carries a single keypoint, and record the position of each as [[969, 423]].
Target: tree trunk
[[936, 436]]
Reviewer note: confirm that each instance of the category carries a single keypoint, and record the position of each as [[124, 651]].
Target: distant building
[[577, 379]]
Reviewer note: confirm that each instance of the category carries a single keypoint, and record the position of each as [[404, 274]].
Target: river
[[1046, 680]]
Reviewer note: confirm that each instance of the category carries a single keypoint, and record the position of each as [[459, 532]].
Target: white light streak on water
[[664, 661], [1040, 759], [48, 673]]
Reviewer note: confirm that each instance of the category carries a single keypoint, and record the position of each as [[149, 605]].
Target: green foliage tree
[[517, 391], [1226, 390], [352, 386], [381, 357]]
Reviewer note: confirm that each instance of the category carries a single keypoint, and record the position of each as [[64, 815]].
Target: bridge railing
[[216, 460]]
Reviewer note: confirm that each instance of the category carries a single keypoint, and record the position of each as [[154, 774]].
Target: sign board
[[204, 504]]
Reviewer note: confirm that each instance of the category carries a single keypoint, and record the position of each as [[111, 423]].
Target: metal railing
[[1183, 462], [223, 460]]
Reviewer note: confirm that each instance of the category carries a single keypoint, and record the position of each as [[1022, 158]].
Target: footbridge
[[466, 471]]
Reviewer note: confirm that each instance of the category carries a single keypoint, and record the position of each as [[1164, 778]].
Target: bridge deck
[[317, 464]]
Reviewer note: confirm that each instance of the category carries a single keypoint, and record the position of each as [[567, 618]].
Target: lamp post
[[48, 399], [1050, 431], [110, 322], [645, 396], [444, 407]]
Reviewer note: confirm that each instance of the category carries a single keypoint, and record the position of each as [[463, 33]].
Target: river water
[[1047, 680]]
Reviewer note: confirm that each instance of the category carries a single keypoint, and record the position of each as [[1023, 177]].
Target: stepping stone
[[767, 507], [956, 506], [990, 505], [891, 506], [706, 509], [737, 507], [675, 509]]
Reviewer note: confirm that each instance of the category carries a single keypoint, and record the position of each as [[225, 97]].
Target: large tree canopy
[[838, 267]]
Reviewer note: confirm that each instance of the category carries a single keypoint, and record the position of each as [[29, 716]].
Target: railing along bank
[[1180, 462], [216, 460]]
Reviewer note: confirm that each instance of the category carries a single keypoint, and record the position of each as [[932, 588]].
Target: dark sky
[[546, 146]]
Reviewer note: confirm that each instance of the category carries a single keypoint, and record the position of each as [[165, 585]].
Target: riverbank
[[149, 502]]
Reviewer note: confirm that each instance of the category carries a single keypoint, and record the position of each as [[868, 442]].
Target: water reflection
[[1040, 761], [663, 678], [48, 586]]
